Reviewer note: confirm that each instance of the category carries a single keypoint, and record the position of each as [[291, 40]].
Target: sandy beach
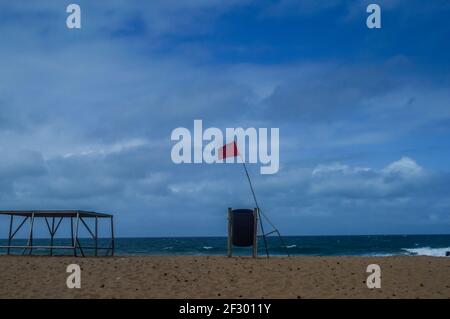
[[221, 277]]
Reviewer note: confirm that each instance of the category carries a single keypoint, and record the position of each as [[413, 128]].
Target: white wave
[[378, 255], [207, 247], [428, 251], [291, 246]]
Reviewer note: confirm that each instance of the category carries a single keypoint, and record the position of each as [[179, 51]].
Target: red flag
[[228, 150]]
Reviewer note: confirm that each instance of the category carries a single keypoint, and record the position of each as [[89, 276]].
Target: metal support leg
[[10, 233], [52, 234], [255, 232], [230, 232], [74, 244], [31, 234], [96, 236], [112, 236], [77, 242], [81, 247], [30, 237]]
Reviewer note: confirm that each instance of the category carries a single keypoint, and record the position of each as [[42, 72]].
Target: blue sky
[[364, 115]]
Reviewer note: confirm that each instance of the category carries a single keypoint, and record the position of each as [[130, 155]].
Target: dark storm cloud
[[335, 93], [85, 122], [21, 164]]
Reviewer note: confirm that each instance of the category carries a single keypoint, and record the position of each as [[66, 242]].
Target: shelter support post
[[30, 237], [10, 232], [72, 237], [96, 236], [76, 234], [255, 232], [112, 236], [230, 232], [77, 241]]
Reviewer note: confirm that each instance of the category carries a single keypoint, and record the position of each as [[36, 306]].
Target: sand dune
[[221, 277]]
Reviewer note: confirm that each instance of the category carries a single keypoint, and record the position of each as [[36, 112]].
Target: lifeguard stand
[[242, 229], [53, 219]]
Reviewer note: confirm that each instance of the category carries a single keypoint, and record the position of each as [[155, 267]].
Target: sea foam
[[428, 251]]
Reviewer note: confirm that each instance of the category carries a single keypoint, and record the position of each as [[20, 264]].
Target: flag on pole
[[231, 150], [228, 150]]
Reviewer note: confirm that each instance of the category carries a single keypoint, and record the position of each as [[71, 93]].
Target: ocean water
[[409, 245]]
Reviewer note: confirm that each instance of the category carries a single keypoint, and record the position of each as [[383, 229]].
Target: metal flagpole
[[259, 210], [256, 203]]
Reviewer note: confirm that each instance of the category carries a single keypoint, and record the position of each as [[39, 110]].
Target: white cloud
[[405, 166], [109, 149], [398, 179], [337, 168]]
